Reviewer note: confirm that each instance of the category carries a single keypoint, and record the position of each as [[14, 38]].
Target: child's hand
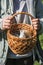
[[36, 23], [7, 22]]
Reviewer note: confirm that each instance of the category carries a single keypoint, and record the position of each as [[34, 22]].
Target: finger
[[6, 27], [7, 21], [10, 17], [36, 27], [10, 20], [6, 24], [35, 20], [35, 23]]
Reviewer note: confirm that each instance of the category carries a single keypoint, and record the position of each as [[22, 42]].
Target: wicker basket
[[21, 45]]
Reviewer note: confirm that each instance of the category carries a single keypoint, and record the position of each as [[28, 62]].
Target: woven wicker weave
[[21, 45]]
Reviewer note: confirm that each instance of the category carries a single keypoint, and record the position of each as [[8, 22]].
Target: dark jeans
[[23, 61]]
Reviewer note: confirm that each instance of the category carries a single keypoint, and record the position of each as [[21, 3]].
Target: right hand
[[7, 22]]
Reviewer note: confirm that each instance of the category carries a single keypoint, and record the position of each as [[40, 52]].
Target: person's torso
[[19, 6]]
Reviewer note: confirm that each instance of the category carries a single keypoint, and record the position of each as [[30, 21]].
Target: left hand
[[36, 23]]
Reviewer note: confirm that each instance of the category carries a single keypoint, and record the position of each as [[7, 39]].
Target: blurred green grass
[[36, 63]]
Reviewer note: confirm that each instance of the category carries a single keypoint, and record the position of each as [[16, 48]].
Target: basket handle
[[22, 13], [15, 14]]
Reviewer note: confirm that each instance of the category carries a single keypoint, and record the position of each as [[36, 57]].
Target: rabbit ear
[[27, 34], [22, 34]]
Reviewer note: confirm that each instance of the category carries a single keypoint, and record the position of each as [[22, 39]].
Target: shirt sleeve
[[39, 13], [0, 23]]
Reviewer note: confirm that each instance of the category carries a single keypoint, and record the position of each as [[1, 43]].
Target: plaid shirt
[[6, 8]]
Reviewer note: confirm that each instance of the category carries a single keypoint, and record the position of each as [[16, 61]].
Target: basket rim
[[17, 38]]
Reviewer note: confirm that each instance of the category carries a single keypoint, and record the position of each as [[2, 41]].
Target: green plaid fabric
[[5, 9]]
